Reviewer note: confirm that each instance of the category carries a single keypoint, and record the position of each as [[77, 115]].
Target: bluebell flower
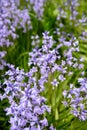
[[27, 106]]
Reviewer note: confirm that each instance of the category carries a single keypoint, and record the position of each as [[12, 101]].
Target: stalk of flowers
[[38, 7], [27, 108], [72, 5], [55, 63], [76, 99], [12, 18]]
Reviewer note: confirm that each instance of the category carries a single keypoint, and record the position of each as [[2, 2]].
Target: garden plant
[[43, 65]]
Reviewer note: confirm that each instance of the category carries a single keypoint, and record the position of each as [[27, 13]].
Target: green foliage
[[4, 124]]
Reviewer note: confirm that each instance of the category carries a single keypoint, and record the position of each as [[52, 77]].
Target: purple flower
[[38, 7], [44, 122], [27, 106], [76, 99], [12, 18], [61, 77], [55, 82]]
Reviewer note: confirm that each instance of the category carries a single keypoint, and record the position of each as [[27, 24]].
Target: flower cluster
[[55, 63], [68, 12], [52, 58], [71, 6], [38, 7], [12, 18], [27, 107], [76, 99]]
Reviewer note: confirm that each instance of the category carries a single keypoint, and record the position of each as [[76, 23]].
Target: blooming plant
[[77, 99], [43, 65], [11, 19], [27, 107]]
